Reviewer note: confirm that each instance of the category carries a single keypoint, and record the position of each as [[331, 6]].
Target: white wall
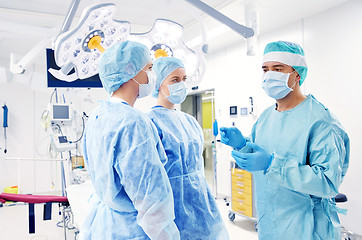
[[332, 42], [27, 97], [25, 107]]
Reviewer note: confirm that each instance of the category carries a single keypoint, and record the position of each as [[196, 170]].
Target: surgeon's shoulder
[[189, 117], [130, 118], [322, 115], [137, 116], [319, 112], [152, 113], [186, 115], [157, 116], [94, 113], [159, 112]]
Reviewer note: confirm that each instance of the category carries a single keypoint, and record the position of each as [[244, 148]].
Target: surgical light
[[165, 39], [81, 47]]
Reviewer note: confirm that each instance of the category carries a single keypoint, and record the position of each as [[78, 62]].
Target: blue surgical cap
[[288, 53], [163, 67], [121, 62]]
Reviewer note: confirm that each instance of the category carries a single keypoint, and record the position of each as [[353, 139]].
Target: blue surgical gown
[[124, 158], [294, 197], [197, 215]]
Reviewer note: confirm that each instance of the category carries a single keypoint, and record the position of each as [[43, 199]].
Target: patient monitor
[[59, 112], [60, 116]]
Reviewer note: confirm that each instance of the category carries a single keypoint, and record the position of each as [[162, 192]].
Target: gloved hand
[[232, 137], [258, 160]]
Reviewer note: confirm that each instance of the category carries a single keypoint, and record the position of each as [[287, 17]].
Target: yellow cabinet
[[242, 208], [242, 192]]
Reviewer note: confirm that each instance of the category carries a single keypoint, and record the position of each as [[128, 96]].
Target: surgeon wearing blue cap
[[124, 156], [197, 215], [298, 154]]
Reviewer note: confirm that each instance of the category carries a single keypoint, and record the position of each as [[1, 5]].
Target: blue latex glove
[[258, 160], [232, 137]]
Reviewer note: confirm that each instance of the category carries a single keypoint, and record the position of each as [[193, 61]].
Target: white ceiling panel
[[25, 22]]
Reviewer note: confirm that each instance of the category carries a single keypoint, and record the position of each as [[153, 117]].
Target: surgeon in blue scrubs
[[124, 156], [197, 215], [298, 154]]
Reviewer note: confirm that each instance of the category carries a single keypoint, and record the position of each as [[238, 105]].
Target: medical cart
[[242, 193]]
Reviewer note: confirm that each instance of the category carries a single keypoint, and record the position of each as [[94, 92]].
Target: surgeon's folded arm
[[146, 183], [322, 176]]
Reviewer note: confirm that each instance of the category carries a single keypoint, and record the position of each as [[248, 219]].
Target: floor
[[240, 228], [14, 224]]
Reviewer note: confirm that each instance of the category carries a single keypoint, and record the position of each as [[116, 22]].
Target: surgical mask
[[275, 84], [146, 89], [178, 92]]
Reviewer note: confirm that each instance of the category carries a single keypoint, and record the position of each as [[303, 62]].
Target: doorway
[[201, 105]]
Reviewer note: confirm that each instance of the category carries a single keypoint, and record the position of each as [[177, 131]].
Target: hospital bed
[[31, 200], [76, 202]]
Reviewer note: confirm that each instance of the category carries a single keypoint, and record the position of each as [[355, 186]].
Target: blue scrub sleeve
[[145, 181], [322, 174]]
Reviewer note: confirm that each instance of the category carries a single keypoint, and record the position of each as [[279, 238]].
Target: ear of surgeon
[[125, 70], [142, 77], [139, 86], [145, 83]]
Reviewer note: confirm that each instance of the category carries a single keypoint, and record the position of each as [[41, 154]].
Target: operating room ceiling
[[23, 23]]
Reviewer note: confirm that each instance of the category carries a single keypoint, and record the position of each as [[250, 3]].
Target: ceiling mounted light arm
[[200, 45], [246, 32], [29, 58], [251, 20], [70, 16]]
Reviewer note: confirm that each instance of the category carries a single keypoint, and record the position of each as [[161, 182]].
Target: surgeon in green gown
[[298, 153]]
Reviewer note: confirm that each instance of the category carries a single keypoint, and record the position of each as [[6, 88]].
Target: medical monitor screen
[[61, 112]]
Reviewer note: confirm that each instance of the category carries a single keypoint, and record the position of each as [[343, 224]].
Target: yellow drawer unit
[[241, 188], [242, 208], [242, 199], [241, 182], [240, 173]]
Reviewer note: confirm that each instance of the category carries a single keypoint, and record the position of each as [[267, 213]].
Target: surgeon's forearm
[[158, 222], [165, 231], [156, 206], [169, 232], [320, 180]]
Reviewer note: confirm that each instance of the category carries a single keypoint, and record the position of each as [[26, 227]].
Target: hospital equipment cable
[[84, 115], [67, 220], [60, 129], [56, 96]]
